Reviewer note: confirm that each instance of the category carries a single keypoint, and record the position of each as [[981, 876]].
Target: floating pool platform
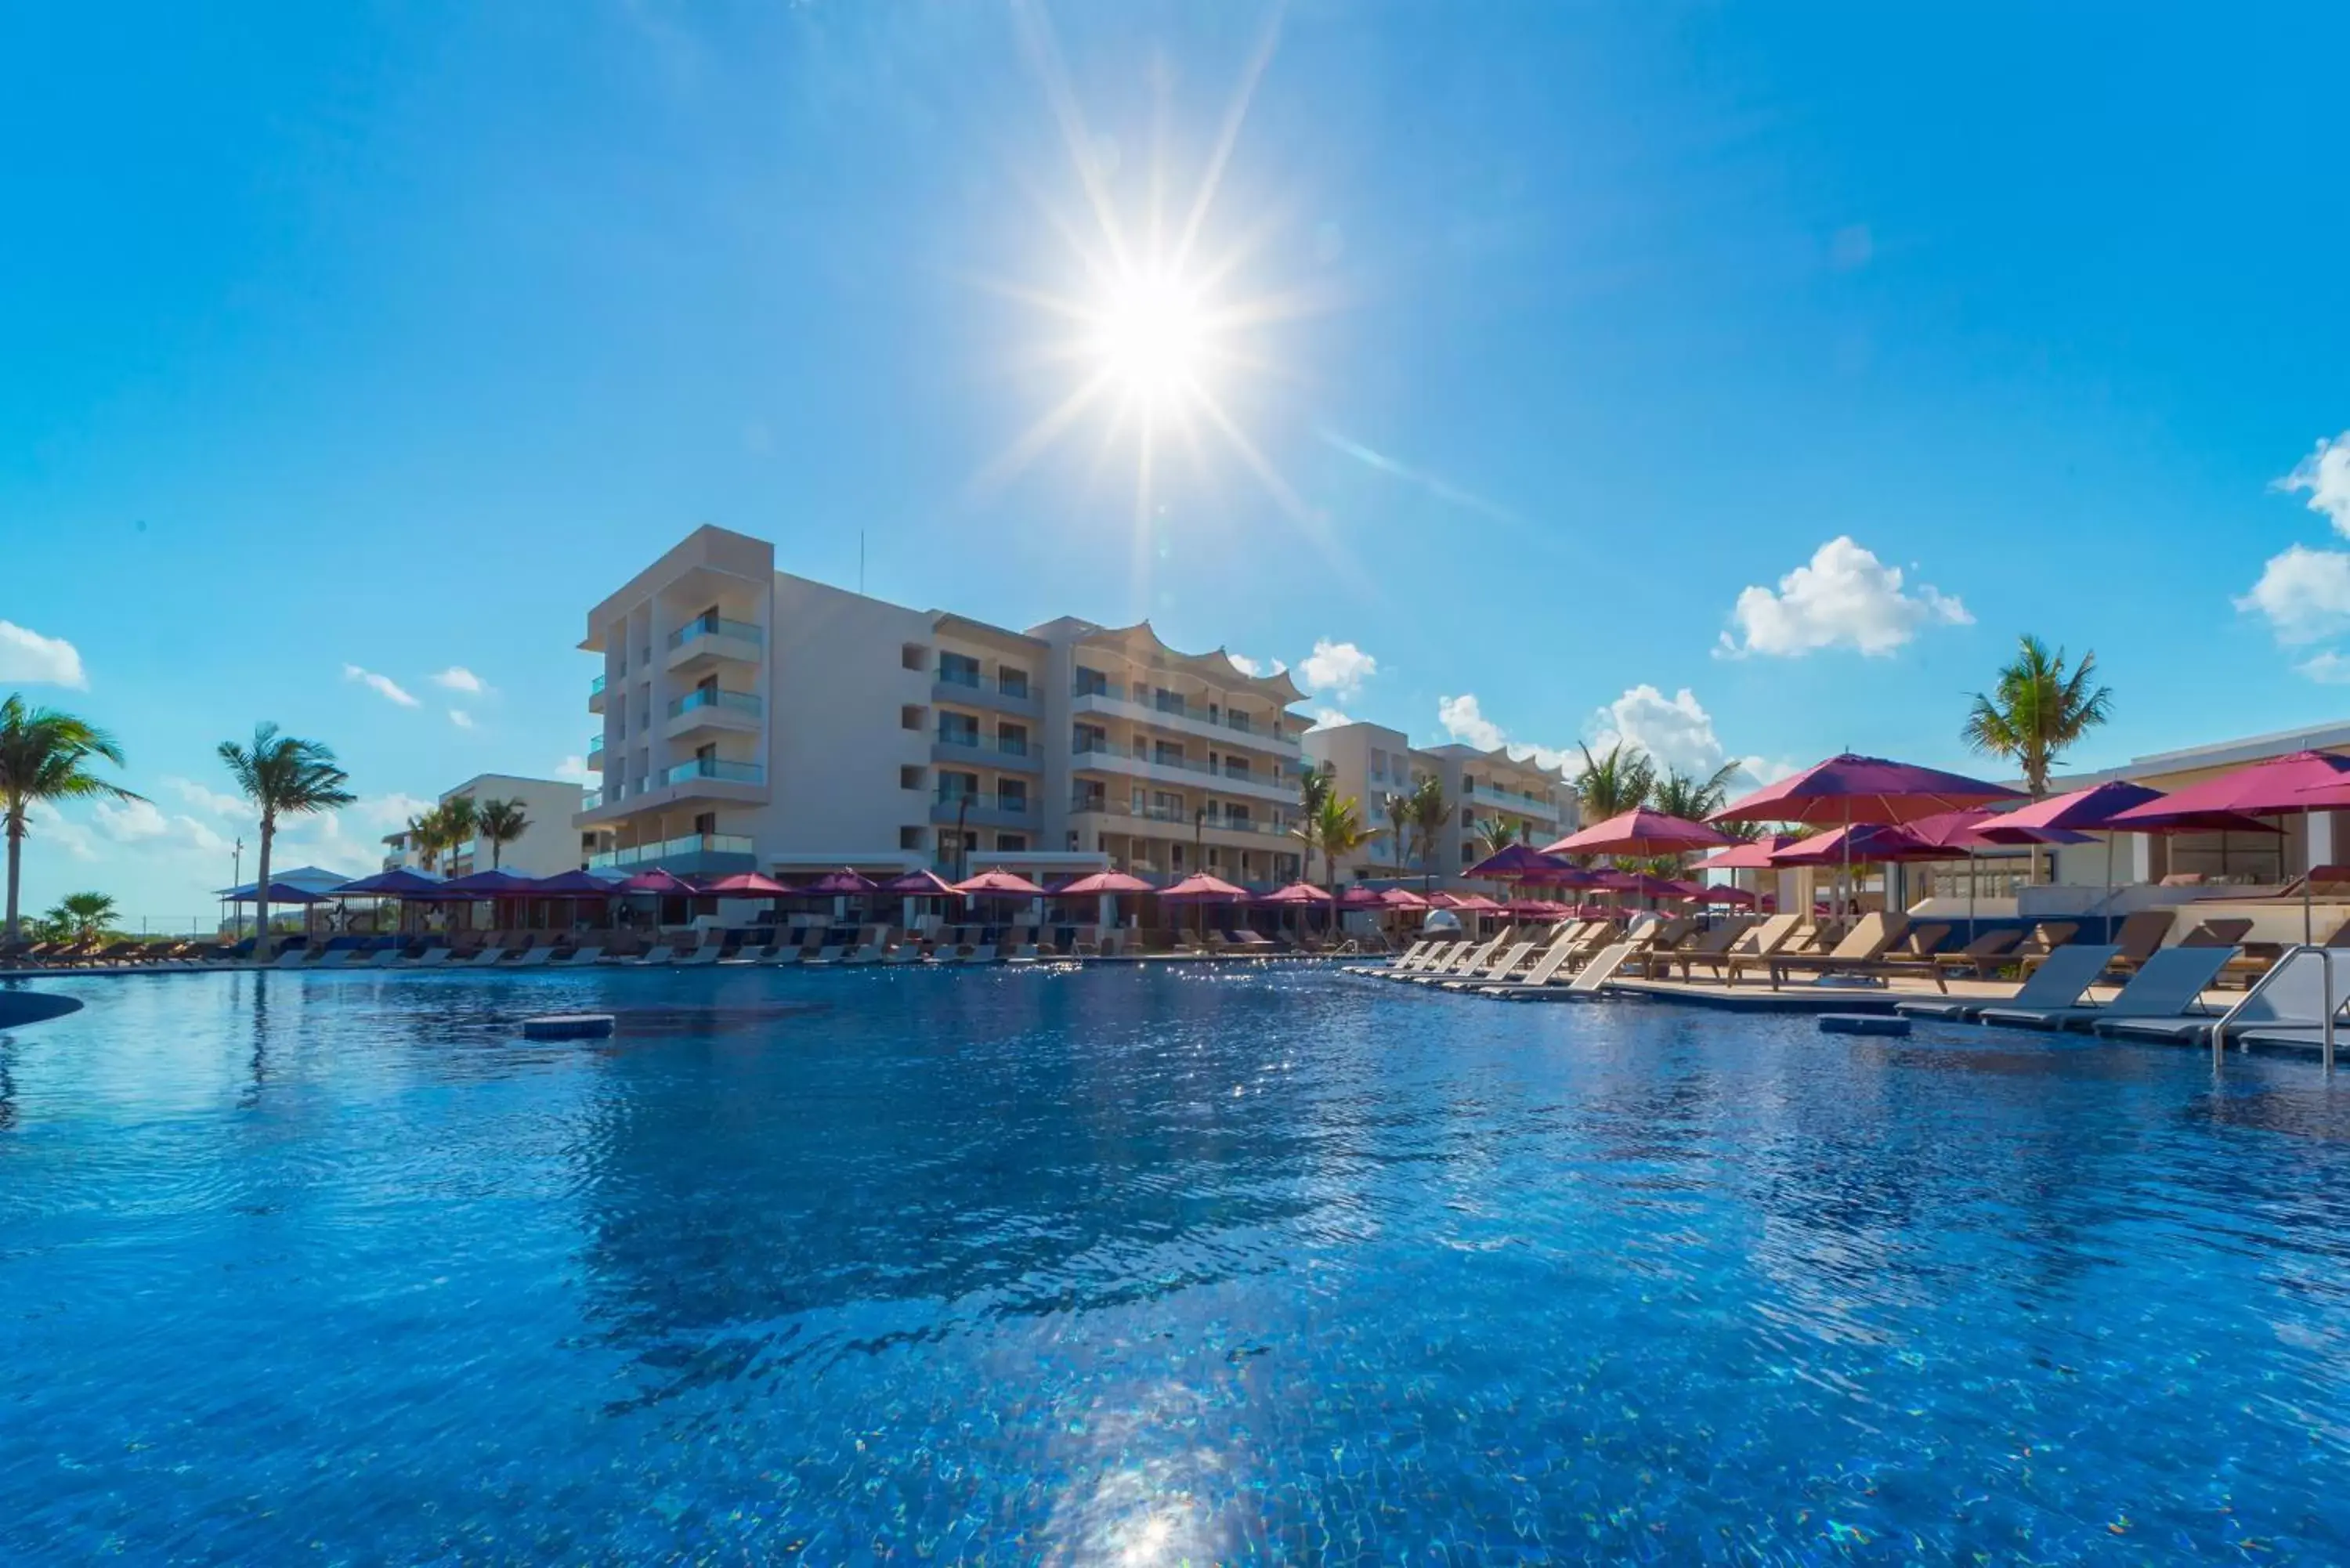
[[568, 1026], [1754, 998]]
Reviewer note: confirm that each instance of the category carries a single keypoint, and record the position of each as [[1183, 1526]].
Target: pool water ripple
[[1230, 1264]]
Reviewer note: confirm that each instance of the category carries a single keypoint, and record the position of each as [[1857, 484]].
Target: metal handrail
[[2325, 1025]]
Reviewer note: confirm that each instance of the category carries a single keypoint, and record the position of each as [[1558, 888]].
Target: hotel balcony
[[1007, 756], [710, 640], [734, 712], [1120, 817], [596, 695], [1113, 701], [701, 784], [1188, 773], [697, 854], [1501, 799], [596, 752], [978, 691], [1012, 811]]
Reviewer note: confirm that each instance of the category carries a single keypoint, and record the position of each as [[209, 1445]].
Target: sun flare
[[1152, 336]]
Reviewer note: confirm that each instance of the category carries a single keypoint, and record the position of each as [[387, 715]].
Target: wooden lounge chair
[[1983, 954], [1756, 949], [2138, 940], [1702, 947], [1862, 951]]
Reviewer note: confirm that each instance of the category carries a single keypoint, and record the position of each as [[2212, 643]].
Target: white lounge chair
[[580, 957]]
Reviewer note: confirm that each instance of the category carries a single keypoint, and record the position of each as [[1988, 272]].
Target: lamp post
[[236, 879]]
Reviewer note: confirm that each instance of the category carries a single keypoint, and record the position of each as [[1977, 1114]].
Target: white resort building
[[1371, 762], [755, 720], [548, 846]]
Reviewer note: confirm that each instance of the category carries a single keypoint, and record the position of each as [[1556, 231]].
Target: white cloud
[[383, 684], [457, 678], [1678, 732], [2325, 475], [203, 799], [2304, 594], [1337, 669], [28, 657], [1844, 596], [459, 717], [47, 824], [130, 821], [201, 836], [1466, 722], [1256, 667], [1327, 719], [386, 812], [576, 770], [2327, 668]]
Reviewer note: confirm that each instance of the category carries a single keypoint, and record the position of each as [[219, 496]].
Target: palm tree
[[2034, 711], [500, 821], [461, 819], [1610, 785], [1693, 799], [1395, 805], [283, 776], [424, 836], [42, 758], [1431, 816], [83, 915], [1338, 830], [1494, 835]]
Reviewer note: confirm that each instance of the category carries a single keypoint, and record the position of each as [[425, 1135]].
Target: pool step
[[1862, 1023]]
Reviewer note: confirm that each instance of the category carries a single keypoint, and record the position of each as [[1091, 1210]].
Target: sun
[[1151, 336]]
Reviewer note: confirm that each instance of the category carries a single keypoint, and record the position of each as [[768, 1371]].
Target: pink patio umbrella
[[1722, 893], [1402, 899], [919, 883], [741, 884], [1848, 790], [999, 883], [1965, 832], [660, 883], [1753, 855], [841, 884], [1114, 885], [1641, 834], [2097, 808], [2290, 786], [1298, 896], [1361, 898], [1203, 889]]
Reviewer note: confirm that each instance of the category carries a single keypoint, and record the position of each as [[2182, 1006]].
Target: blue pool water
[[1146, 1267]]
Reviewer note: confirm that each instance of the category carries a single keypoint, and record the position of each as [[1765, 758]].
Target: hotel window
[[1236, 816], [1167, 755], [1167, 701], [1011, 682], [705, 823], [909, 838], [1236, 767], [1091, 797], [958, 729], [1166, 806], [1011, 843], [1012, 795], [958, 670], [955, 786], [914, 656], [1092, 738], [1468, 817], [910, 778], [1012, 739], [1092, 683], [909, 717]]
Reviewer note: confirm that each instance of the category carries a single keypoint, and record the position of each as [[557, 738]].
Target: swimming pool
[[1136, 1266]]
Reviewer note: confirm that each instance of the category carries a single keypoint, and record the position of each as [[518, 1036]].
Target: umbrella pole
[[2109, 887], [2309, 860]]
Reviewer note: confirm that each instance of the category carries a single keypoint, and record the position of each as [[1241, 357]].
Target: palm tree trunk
[[15, 851], [261, 894]]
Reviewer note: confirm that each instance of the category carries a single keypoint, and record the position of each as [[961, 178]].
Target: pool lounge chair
[[2287, 1007], [704, 952], [1552, 960], [1463, 960], [587, 951], [2170, 984], [1497, 970], [1757, 947], [1695, 947], [2059, 983], [1865, 952], [1603, 968], [2138, 938], [1983, 954]]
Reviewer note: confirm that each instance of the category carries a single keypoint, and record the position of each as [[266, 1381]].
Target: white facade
[[757, 720], [1372, 763], [548, 846]]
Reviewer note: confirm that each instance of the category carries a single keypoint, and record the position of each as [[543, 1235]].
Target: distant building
[[1371, 762], [550, 846], [753, 719]]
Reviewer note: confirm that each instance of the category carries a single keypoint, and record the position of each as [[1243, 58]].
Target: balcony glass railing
[[596, 687], [734, 701], [1494, 792], [1218, 822], [1183, 765], [714, 625], [983, 802], [595, 743], [963, 741], [590, 799], [714, 768], [949, 675], [1176, 708], [671, 849]]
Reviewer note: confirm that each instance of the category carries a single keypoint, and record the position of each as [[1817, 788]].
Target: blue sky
[[1600, 366]]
